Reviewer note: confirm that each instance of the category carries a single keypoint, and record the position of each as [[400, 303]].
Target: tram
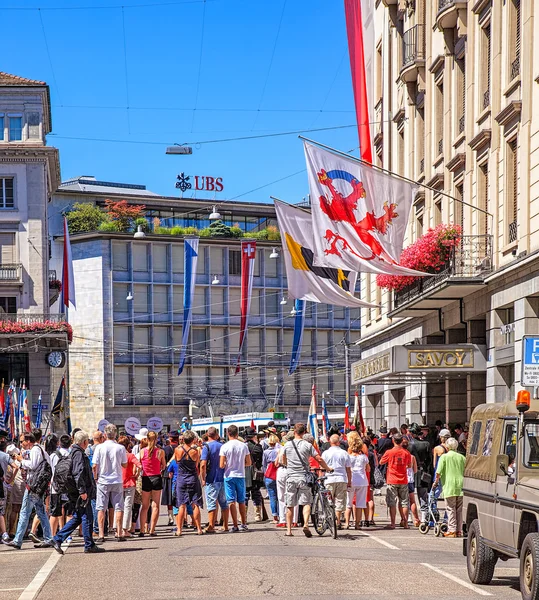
[[242, 421]]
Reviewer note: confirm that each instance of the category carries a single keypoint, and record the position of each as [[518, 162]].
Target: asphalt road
[[258, 563]]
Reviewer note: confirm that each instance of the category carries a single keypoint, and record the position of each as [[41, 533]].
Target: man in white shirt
[[108, 460], [234, 456], [340, 479], [32, 464]]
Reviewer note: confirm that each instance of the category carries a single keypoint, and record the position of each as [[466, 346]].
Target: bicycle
[[322, 510]]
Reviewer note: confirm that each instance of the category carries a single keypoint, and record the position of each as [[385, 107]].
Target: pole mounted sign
[[530, 361]]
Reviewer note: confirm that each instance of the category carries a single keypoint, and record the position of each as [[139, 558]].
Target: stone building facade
[[454, 87], [29, 174], [128, 320]]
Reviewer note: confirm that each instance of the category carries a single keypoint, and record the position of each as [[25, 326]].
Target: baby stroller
[[434, 520]]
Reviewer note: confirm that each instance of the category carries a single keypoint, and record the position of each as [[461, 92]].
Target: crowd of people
[[106, 486]]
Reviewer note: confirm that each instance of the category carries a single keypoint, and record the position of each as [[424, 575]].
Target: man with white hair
[[109, 459], [83, 482], [450, 471]]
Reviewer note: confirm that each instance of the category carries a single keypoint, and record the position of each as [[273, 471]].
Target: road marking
[[380, 541], [32, 589], [458, 580]]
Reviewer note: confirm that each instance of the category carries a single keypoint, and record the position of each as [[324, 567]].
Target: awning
[[417, 364]]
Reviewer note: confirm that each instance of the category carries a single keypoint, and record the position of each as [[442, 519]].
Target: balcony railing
[[52, 275], [471, 260], [513, 229], [10, 272], [30, 318], [413, 45], [443, 4], [486, 99], [440, 146], [462, 122]]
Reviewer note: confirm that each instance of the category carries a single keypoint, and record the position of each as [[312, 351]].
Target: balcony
[[31, 318], [448, 12], [413, 53], [464, 274], [11, 273]]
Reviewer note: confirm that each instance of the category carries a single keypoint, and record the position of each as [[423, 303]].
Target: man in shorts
[[295, 458], [339, 481], [398, 460], [108, 460], [212, 478]]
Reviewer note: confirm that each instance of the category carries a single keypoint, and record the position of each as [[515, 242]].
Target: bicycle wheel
[[331, 518], [318, 515]]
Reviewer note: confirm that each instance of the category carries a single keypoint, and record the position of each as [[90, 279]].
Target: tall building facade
[[29, 174], [128, 320], [454, 87]]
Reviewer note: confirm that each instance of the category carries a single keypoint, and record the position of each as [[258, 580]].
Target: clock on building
[[56, 359]]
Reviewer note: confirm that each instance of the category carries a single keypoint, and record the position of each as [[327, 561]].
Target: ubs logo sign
[[202, 183]]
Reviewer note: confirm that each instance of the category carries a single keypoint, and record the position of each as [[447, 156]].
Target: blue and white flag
[[326, 426], [299, 324], [189, 270], [39, 415], [312, 420]]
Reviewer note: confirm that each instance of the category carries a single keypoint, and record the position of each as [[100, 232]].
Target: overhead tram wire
[[49, 54], [270, 64], [126, 74], [216, 109], [202, 142], [109, 7], [199, 64]]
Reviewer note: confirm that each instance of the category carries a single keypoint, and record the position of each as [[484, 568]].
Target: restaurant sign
[[371, 367], [426, 358]]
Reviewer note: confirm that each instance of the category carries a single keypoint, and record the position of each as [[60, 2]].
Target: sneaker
[[57, 546], [69, 539], [34, 538], [93, 550], [5, 537], [99, 540], [13, 545], [244, 528], [43, 545], [280, 525], [233, 530]]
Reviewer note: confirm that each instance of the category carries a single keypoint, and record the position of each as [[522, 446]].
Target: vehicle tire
[[529, 567], [481, 559], [437, 530], [331, 518], [318, 516], [424, 528]]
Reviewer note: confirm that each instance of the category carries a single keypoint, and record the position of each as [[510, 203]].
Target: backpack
[[63, 481], [38, 482]]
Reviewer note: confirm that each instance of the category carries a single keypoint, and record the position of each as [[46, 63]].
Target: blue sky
[[170, 62]]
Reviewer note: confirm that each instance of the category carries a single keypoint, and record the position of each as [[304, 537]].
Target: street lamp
[[283, 300], [129, 295], [215, 280], [139, 233], [214, 215], [274, 253], [179, 149]]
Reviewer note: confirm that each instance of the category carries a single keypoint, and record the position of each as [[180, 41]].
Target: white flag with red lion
[[359, 214]]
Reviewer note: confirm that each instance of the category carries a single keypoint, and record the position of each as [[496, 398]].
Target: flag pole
[[393, 174]]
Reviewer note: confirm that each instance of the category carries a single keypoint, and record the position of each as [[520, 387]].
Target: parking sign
[[530, 361]]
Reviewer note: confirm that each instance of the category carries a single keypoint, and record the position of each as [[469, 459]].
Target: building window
[[401, 154], [439, 120], [140, 300], [140, 257], [159, 253], [199, 340], [7, 248], [272, 304], [2, 125], [200, 301], [217, 300], [438, 215], [419, 212], [141, 391], [458, 213], [512, 190], [461, 106], [8, 304], [420, 141], [216, 261], [15, 129], [6, 192], [485, 62], [368, 295], [482, 184], [514, 39], [270, 264], [160, 300], [234, 262], [119, 293], [119, 256]]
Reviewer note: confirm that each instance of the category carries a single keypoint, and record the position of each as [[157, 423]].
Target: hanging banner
[[312, 419], [305, 280], [132, 425], [359, 214], [190, 258], [299, 325], [248, 255]]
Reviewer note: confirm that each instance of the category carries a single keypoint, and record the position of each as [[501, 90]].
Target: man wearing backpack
[[81, 490], [59, 504], [38, 477]]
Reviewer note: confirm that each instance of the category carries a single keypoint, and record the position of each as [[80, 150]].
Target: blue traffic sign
[[530, 361]]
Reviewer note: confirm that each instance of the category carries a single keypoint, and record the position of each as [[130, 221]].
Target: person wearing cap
[[450, 471], [384, 442], [398, 462], [439, 451]]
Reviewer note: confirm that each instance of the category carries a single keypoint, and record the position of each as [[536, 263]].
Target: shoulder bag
[[310, 477]]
